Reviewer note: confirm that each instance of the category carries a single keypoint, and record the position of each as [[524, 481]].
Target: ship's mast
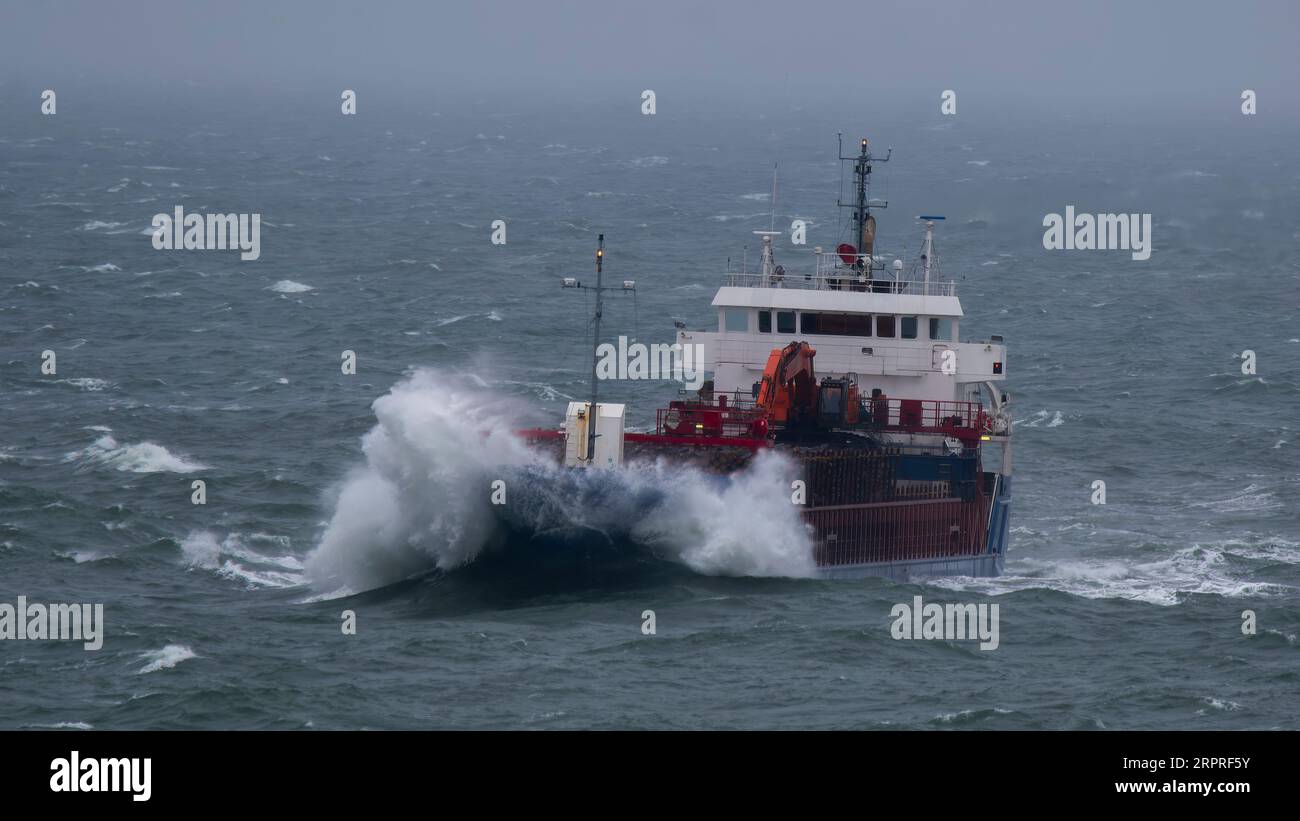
[[927, 252], [767, 263], [629, 286], [862, 205], [929, 248], [593, 413]]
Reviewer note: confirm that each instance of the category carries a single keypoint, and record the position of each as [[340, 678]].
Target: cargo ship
[[898, 433]]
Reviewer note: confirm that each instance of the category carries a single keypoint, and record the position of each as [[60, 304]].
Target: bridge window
[[885, 326], [835, 324], [765, 322], [736, 319], [941, 328], [785, 322], [908, 327]]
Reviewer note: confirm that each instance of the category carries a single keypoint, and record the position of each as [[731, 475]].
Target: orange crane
[[789, 395], [788, 392]]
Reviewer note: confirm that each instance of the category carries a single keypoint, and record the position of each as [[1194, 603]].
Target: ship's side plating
[[912, 513]]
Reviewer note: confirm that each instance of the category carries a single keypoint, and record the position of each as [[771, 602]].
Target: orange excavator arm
[[789, 386]]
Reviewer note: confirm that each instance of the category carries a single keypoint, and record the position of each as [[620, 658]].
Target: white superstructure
[[895, 336]]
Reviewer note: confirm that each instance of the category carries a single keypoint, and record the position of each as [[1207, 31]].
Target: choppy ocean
[[329, 492]]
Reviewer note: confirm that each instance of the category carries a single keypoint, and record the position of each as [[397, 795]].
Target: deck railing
[[927, 415], [700, 419], [736, 418], [831, 272], [846, 280]]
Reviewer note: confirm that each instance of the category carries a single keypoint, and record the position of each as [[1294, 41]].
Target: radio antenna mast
[[600, 289], [772, 226]]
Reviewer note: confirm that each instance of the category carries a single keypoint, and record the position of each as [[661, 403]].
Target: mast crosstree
[[864, 225]]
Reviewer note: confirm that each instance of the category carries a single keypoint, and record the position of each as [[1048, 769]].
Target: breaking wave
[[422, 501], [167, 657], [141, 457], [233, 558], [1041, 416]]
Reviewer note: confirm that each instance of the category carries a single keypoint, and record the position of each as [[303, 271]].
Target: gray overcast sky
[[1173, 53]]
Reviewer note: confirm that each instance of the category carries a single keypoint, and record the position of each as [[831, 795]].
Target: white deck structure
[[892, 335]]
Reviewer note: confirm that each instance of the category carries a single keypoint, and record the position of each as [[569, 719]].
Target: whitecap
[[165, 658], [288, 286], [1252, 499], [730, 217], [232, 558], [140, 457], [87, 383]]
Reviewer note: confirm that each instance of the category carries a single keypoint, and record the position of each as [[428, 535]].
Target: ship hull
[[985, 565], [918, 569], [903, 513]]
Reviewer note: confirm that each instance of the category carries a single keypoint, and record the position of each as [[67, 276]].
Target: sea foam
[[422, 499]]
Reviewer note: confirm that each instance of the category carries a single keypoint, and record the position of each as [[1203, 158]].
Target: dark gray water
[[174, 366]]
